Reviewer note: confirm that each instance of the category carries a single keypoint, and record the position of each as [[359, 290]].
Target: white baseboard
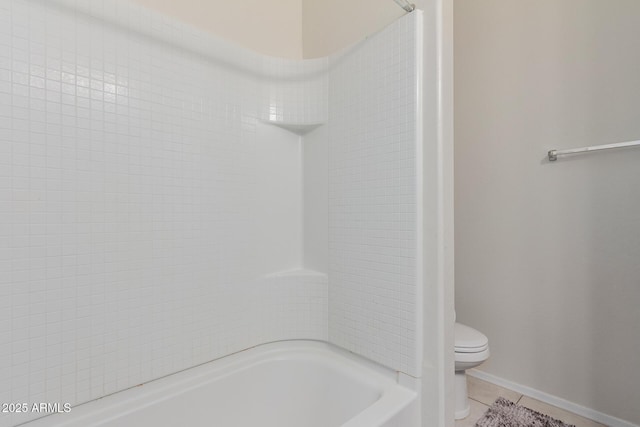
[[583, 411]]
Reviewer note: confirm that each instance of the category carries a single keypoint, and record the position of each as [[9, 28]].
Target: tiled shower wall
[[143, 203], [148, 210], [374, 202]]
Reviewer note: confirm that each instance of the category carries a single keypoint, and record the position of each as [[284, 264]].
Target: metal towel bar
[[553, 154]]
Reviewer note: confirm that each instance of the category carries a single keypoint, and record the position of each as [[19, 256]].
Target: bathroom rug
[[504, 413]]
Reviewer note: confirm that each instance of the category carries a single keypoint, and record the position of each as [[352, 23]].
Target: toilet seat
[[472, 349], [468, 340]]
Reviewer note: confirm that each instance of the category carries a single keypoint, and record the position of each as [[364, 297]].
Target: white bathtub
[[287, 384]]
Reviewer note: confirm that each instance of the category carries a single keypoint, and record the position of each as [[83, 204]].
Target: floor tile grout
[[476, 400], [521, 399]]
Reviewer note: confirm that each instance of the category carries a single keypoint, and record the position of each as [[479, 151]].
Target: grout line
[[519, 402], [557, 402], [476, 400]]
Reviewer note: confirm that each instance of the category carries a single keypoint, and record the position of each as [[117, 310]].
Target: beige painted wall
[[286, 28], [272, 27], [548, 255], [331, 25]]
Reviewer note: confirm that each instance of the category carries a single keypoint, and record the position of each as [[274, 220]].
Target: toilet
[[472, 348]]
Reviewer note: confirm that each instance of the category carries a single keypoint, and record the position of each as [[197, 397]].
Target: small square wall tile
[[129, 183], [373, 198]]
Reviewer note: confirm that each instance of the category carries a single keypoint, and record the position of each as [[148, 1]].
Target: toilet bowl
[[472, 348]]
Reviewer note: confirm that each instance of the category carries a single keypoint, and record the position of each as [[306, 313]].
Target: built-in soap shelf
[[297, 128]]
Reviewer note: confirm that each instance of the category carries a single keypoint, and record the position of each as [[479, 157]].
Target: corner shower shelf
[[297, 128]]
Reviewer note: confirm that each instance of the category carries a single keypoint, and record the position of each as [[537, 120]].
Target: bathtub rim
[[395, 396]]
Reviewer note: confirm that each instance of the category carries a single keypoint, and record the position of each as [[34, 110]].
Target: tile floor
[[482, 394]]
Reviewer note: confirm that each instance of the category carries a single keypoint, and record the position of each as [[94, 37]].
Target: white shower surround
[[285, 384], [154, 216], [375, 204]]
